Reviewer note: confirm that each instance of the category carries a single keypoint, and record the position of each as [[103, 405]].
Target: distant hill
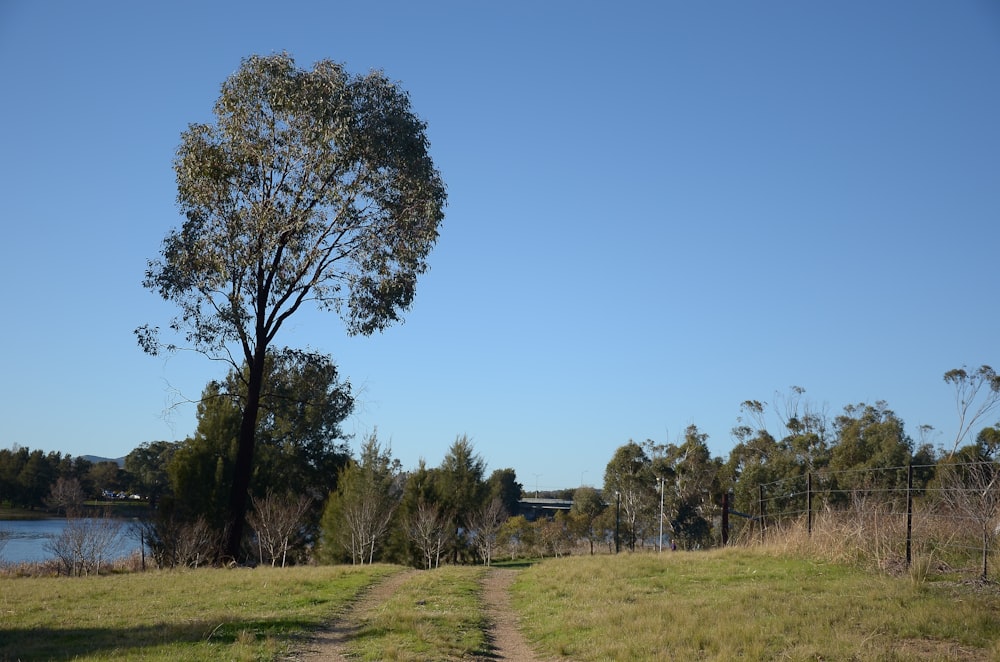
[[96, 459]]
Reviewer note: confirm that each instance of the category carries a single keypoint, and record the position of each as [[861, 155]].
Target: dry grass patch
[[746, 604]]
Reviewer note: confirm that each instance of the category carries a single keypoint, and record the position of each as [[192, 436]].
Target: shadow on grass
[[70, 643], [516, 564]]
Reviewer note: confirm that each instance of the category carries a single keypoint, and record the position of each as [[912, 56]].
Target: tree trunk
[[239, 494]]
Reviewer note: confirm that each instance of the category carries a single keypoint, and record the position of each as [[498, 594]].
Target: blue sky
[[656, 211]]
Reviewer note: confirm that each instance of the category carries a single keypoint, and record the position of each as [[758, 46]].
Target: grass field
[[717, 605], [748, 604], [207, 614]]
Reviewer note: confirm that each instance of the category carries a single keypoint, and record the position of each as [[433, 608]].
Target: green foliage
[[298, 434], [35, 478], [200, 469], [692, 481], [359, 513], [630, 482], [517, 536], [300, 444], [461, 490], [27, 476], [330, 549], [442, 509], [967, 484], [503, 485], [421, 489], [146, 468], [321, 179], [107, 476], [869, 437], [689, 477], [761, 459], [584, 513]]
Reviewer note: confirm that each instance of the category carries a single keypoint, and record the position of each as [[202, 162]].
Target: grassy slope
[[745, 604]]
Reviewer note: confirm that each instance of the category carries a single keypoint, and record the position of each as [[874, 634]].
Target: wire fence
[[945, 516]]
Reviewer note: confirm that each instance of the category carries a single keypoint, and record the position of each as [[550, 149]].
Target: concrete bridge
[[533, 509]]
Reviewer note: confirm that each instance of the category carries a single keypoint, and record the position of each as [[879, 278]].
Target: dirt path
[[330, 643], [506, 641]]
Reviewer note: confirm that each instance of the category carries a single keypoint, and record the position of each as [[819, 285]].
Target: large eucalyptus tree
[[312, 186]]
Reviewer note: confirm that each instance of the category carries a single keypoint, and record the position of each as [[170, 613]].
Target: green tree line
[[27, 478], [313, 499]]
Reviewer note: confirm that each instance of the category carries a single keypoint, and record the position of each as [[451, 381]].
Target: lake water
[[27, 540]]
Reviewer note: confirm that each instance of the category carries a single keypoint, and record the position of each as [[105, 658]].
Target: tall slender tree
[[311, 186], [462, 488], [630, 482]]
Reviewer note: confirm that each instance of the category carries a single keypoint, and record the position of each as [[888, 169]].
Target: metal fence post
[[909, 513], [725, 518]]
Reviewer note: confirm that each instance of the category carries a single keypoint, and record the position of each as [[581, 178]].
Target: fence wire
[[949, 516]]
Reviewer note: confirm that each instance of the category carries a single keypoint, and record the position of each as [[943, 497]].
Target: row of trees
[[451, 513], [34, 479], [782, 444], [313, 500], [309, 497]]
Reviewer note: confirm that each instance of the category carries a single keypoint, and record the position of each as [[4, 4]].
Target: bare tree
[[85, 545], [368, 492], [428, 529], [971, 407], [973, 490], [367, 522], [277, 522], [175, 543], [484, 527], [66, 496]]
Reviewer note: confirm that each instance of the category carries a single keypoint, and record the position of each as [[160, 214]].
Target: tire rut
[[330, 643], [506, 642]]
